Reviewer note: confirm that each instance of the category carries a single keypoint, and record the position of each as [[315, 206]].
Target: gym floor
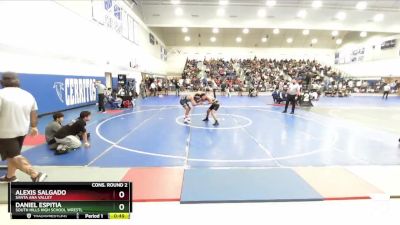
[[343, 148]]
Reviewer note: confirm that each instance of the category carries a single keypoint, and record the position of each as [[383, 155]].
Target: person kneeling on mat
[[194, 99], [52, 128], [68, 137], [213, 108]]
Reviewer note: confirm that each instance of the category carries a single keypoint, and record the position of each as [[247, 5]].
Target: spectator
[[394, 86], [101, 89], [108, 92], [386, 90], [240, 88], [52, 128], [177, 88], [68, 136], [166, 87], [275, 95], [214, 87], [18, 115], [114, 101], [223, 88], [122, 92], [153, 88], [159, 86], [143, 89]]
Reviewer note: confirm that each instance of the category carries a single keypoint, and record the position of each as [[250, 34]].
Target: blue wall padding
[[49, 90]]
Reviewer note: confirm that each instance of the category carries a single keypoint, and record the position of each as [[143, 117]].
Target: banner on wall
[[58, 92], [350, 56], [111, 14]]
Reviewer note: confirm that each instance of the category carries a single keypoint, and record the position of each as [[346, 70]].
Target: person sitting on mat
[[68, 137], [52, 128]]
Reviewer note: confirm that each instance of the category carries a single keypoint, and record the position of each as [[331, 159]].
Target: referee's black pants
[[385, 93], [101, 103], [292, 100]]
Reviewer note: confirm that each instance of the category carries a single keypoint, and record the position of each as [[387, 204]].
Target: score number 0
[[121, 195]]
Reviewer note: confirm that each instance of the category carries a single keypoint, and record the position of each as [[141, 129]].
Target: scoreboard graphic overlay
[[70, 200]]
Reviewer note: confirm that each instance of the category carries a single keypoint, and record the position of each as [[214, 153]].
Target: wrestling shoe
[[61, 149], [205, 120], [6, 179], [40, 177], [216, 123]]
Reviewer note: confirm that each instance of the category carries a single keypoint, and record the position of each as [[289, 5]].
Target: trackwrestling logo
[[74, 91]]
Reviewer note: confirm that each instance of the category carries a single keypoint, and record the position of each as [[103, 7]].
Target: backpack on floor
[[127, 104]]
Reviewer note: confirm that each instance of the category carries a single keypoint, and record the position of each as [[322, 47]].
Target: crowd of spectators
[[252, 76], [260, 75]]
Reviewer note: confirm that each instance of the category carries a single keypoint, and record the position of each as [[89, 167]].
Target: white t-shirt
[[350, 84], [16, 106], [101, 88], [386, 87], [293, 89]]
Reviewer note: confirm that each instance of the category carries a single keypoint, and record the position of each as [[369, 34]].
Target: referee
[[100, 92], [292, 94], [18, 115]]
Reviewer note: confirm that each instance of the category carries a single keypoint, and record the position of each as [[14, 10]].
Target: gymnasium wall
[[177, 55], [50, 42], [376, 62]]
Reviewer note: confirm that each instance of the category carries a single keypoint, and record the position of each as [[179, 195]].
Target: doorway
[[108, 80]]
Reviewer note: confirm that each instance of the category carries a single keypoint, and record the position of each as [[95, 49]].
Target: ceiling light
[[314, 41], [261, 13], [179, 11], [223, 2], [185, 29], [363, 34], [270, 3], [302, 14], [361, 5], [187, 38], [379, 17], [238, 39], [245, 31], [306, 32], [276, 31], [213, 39], [316, 4], [341, 15], [215, 30], [175, 2], [335, 33], [339, 41], [221, 12], [264, 39], [289, 40]]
